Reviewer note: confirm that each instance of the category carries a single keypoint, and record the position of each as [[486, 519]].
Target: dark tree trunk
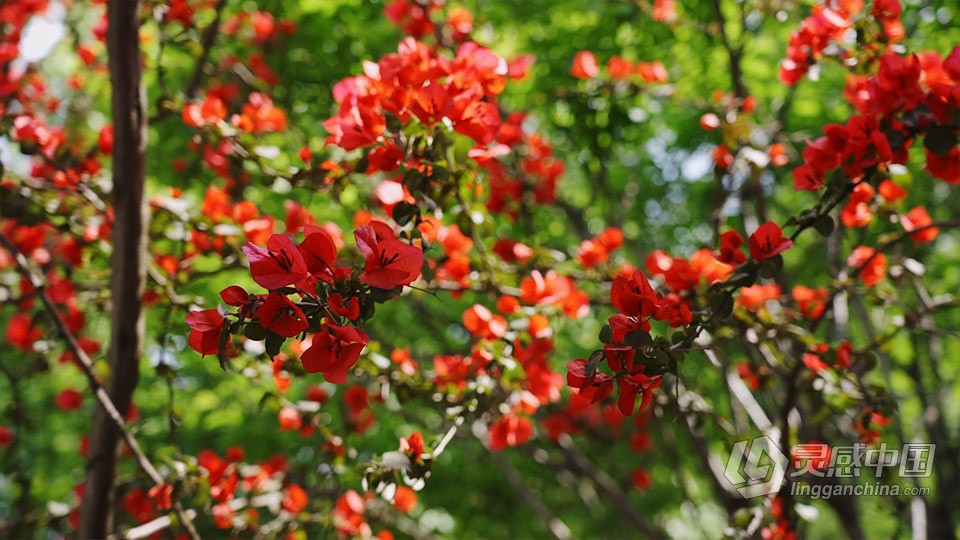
[[127, 264]]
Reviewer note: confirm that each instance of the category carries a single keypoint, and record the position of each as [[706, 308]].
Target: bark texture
[[127, 264]]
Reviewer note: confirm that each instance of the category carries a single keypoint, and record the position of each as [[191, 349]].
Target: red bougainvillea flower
[[633, 385], [295, 499], [872, 265], [162, 496], [205, 329], [509, 430], [814, 363], [767, 241], [810, 302], [333, 351], [235, 295], [674, 311], [730, 252], [857, 213], [919, 218], [412, 445], [585, 65], [945, 167], [755, 297], [349, 309], [281, 316], [289, 419], [319, 251], [69, 400], [640, 479], [6, 436], [278, 265], [844, 355], [390, 262], [892, 192], [635, 296], [595, 387], [137, 503], [404, 499], [211, 111], [482, 323], [21, 332], [807, 178]]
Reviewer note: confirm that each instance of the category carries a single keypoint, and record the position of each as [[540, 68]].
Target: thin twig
[[86, 365]]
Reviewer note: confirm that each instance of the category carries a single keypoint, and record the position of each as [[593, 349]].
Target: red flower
[[6, 436], [807, 178], [641, 478], [206, 327], [405, 499], [162, 496], [919, 218], [730, 243], [278, 265], [69, 400], [281, 316], [857, 213], [585, 65], [674, 311], [871, 265], [334, 350], [810, 302], [510, 430], [390, 263], [236, 296], [767, 241], [630, 387], [295, 499], [815, 363], [211, 111], [290, 419], [349, 309], [412, 445], [319, 251], [21, 332], [482, 323], [946, 167], [844, 354], [892, 192], [634, 297]]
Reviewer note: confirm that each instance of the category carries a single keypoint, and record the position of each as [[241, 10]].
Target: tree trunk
[[127, 264]]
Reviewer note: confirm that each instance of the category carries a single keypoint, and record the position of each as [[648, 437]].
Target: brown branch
[[128, 269], [734, 53], [86, 365], [207, 41]]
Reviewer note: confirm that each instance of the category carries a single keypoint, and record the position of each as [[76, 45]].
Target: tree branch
[[86, 366], [127, 265]]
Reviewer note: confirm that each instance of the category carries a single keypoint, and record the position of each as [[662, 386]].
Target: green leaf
[[403, 212], [940, 140], [273, 343], [638, 339], [606, 334], [255, 332], [824, 225]]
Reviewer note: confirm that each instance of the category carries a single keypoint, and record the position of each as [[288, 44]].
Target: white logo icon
[[756, 467]]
